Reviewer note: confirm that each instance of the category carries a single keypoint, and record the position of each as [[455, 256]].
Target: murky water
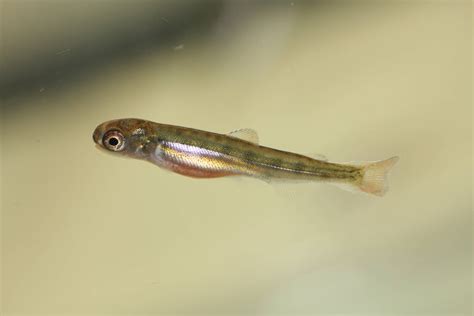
[[87, 233]]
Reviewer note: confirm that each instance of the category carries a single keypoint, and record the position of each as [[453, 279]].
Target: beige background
[[86, 233]]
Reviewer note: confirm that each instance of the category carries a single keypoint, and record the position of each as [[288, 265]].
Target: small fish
[[200, 154]]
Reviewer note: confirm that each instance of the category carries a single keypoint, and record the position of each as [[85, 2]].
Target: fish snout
[[96, 136]]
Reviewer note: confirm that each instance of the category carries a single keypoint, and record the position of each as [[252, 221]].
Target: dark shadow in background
[[75, 59], [91, 53]]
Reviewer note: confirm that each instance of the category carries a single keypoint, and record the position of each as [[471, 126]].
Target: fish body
[[201, 154]]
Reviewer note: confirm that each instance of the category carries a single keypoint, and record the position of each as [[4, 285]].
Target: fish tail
[[375, 176]]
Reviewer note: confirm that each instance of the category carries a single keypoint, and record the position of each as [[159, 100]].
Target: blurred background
[[86, 233]]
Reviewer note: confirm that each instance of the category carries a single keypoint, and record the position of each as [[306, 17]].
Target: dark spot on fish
[[210, 136], [226, 149], [148, 147], [355, 174], [156, 139], [323, 174], [190, 132], [249, 155], [276, 162], [300, 166]]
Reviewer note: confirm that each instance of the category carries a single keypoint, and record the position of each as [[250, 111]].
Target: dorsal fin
[[247, 134], [318, 156]]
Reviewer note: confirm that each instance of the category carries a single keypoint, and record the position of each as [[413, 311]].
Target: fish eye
[[114, 141]]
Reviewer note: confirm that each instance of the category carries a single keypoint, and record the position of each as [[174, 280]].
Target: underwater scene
[[230, 157]]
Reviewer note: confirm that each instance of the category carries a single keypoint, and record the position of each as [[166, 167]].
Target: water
[[86, 233]]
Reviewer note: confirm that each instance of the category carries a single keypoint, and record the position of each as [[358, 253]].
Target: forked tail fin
[[375, 180]]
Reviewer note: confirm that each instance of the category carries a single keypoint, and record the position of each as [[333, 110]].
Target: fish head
[[126, 137]]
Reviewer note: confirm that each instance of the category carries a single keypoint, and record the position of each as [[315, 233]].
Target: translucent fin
[[347, 187], [375, 180], [318, 156], [247, 134]]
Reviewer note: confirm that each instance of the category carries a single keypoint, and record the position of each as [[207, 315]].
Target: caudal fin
[[375, 179]]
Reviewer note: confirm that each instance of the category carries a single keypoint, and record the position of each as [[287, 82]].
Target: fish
[[202, 154]]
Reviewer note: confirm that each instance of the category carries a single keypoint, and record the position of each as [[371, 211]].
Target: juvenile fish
[[201, 154]]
